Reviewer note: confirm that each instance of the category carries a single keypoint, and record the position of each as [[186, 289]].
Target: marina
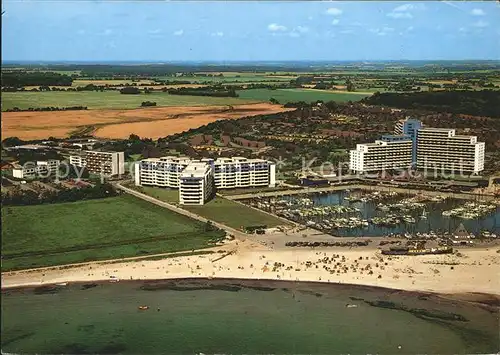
[[358, 212]]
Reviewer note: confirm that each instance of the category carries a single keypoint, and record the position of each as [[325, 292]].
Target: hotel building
[[208, 175], [38, 169], [107, 163], [196, 184], [443, 149], [388, 154], [409, 127]]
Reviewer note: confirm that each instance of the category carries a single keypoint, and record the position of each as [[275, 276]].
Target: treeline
[[204, 91], [20, 78], [21, 197], [477, 103], [51, 108]]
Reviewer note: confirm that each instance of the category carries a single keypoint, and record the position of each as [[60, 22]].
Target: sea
[[193, 316]]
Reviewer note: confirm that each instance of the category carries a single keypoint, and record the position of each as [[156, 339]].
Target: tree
[[274, 101]]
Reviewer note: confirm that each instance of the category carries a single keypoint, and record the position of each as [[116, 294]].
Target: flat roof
[[195, 169]]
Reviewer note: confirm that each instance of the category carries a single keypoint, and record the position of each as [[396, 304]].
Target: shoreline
[[468, 271]]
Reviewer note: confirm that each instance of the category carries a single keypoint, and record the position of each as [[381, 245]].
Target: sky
[[162, 31]]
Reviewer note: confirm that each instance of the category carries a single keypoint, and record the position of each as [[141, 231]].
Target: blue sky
[[230, 31]]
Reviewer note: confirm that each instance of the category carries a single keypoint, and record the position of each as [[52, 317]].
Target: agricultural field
[[294, 95], [152, 122], [110, 228], [109, 100]]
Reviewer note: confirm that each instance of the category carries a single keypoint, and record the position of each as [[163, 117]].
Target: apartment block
[[381, 155], [237, 172], [443, 149], [196, 184], [208, 175], [97, 162], [38, 169], [409, 127]]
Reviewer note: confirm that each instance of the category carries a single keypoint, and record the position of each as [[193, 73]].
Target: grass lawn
[[109, 99], [162, 194], [219, 209], [234, 214], [116, 227], [294, 95]]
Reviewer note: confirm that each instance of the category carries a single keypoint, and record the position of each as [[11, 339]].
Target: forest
[[484, 103]]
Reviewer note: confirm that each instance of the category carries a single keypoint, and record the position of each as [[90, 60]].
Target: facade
[[441, 148], [196, 184], [242, 172], [409, 127], [208, 175], [107, 163], [381, 155], [39, 169]]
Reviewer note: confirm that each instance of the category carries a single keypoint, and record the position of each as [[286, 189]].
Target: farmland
[[108, 100], [146, 122], [294, 95], [94, 230]]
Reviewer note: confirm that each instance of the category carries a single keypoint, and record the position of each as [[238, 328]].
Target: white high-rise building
[[236, 172], [196, 184], [381, 155], [97, 162], [223, 173], [443, 149]]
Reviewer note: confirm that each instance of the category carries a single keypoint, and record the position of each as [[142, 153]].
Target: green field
[[294, 95], [232, 77], [116, 227], [233, 214], [219, 209], [108, 99]]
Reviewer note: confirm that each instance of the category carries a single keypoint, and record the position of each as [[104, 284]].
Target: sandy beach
[[468, 271]]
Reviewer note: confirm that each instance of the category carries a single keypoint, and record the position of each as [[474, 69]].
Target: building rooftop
[[195, 169]]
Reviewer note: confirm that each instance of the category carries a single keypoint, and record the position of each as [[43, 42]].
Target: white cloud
[[481, 24], [310, 18], [302, 29], [155, 31], [404, 8], [478, 12], [410, 28], [294, 34], [463, 30], [275, 27], [178, 33], [334, 11], [405, 11], [335, 22], [347, 31], [400, 15], [107, 32], [81, 32], [217, 34], [381, 31]]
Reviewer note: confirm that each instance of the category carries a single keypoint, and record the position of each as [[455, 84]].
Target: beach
[[471, 270]]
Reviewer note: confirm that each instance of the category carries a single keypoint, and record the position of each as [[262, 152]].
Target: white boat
[[62, 284]]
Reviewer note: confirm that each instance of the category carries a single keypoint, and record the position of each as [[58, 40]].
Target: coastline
[[468, 271]]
